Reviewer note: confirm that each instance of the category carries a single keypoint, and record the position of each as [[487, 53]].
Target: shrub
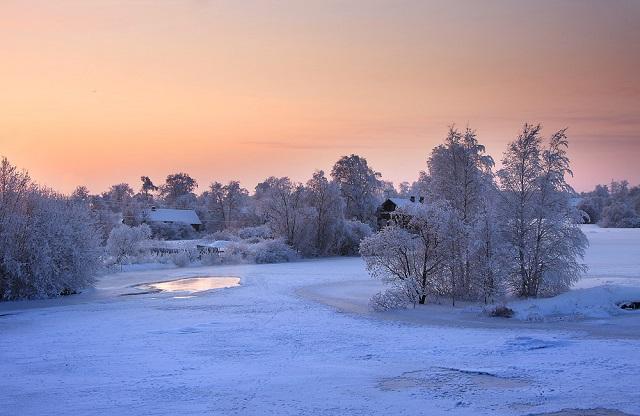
[[225, 235], [390, 299], [237, 252], [261, 232], [183, 258], [273, 251], [210, 259], [499, 311]]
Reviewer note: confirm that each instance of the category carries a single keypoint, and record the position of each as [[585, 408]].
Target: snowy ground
[[298, 339]]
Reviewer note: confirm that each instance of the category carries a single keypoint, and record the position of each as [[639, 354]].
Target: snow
[[595, 302], [221, 245], [613, 256], [182, 216], [401, 202], [272, 346]]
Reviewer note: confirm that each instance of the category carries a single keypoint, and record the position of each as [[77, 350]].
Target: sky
[[101, 92]]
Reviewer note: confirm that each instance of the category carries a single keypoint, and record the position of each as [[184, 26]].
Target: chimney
[[413, 199]]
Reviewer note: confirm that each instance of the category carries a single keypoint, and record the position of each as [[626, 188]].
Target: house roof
[[182, 216], [401, 202]]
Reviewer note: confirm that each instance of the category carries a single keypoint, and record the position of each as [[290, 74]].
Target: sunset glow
[[102, 92]]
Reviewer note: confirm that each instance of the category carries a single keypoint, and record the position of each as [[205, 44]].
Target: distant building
[[387, 212], [173, 216]]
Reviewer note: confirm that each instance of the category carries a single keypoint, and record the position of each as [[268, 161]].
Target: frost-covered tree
[[613, 206], [49, 244], [327, 216], [281, 203], [422, 186], [538, 223], [620, 209], [81, 194], [125, 241], [225, 205], [405, 190], [410, 259], [460, 174], [619, 214], [177, 191], [119, 200], [487, 251], [360, 186], [147, 187], [147, 190], [118, 197], [350, 235]]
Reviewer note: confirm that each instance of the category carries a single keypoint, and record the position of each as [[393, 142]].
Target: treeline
[[326, 215], [613, 206], [483, 234]]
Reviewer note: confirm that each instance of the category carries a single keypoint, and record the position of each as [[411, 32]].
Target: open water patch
[[187, 285]]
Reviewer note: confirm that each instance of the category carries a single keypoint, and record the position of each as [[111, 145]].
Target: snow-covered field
[[298, 339]]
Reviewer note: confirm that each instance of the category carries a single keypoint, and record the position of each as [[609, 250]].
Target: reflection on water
[[193, 284]]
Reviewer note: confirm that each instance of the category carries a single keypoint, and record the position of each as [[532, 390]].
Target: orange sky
[[100, 92]]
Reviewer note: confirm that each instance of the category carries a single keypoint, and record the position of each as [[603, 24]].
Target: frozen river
[[267, 347]]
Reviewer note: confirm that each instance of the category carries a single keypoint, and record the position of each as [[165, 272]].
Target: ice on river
[[267, 348]]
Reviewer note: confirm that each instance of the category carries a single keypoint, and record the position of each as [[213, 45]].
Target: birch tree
[[545, 243]]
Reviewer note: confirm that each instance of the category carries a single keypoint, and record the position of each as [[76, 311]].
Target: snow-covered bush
[[183, 258], [236, 253], [264, 251], [211, 259], [224, 235], [261, 231], [394, 298], [125, 241], [498, 311], [272, 251]]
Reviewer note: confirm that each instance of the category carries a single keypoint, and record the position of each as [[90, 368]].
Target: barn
[[173, 216]]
